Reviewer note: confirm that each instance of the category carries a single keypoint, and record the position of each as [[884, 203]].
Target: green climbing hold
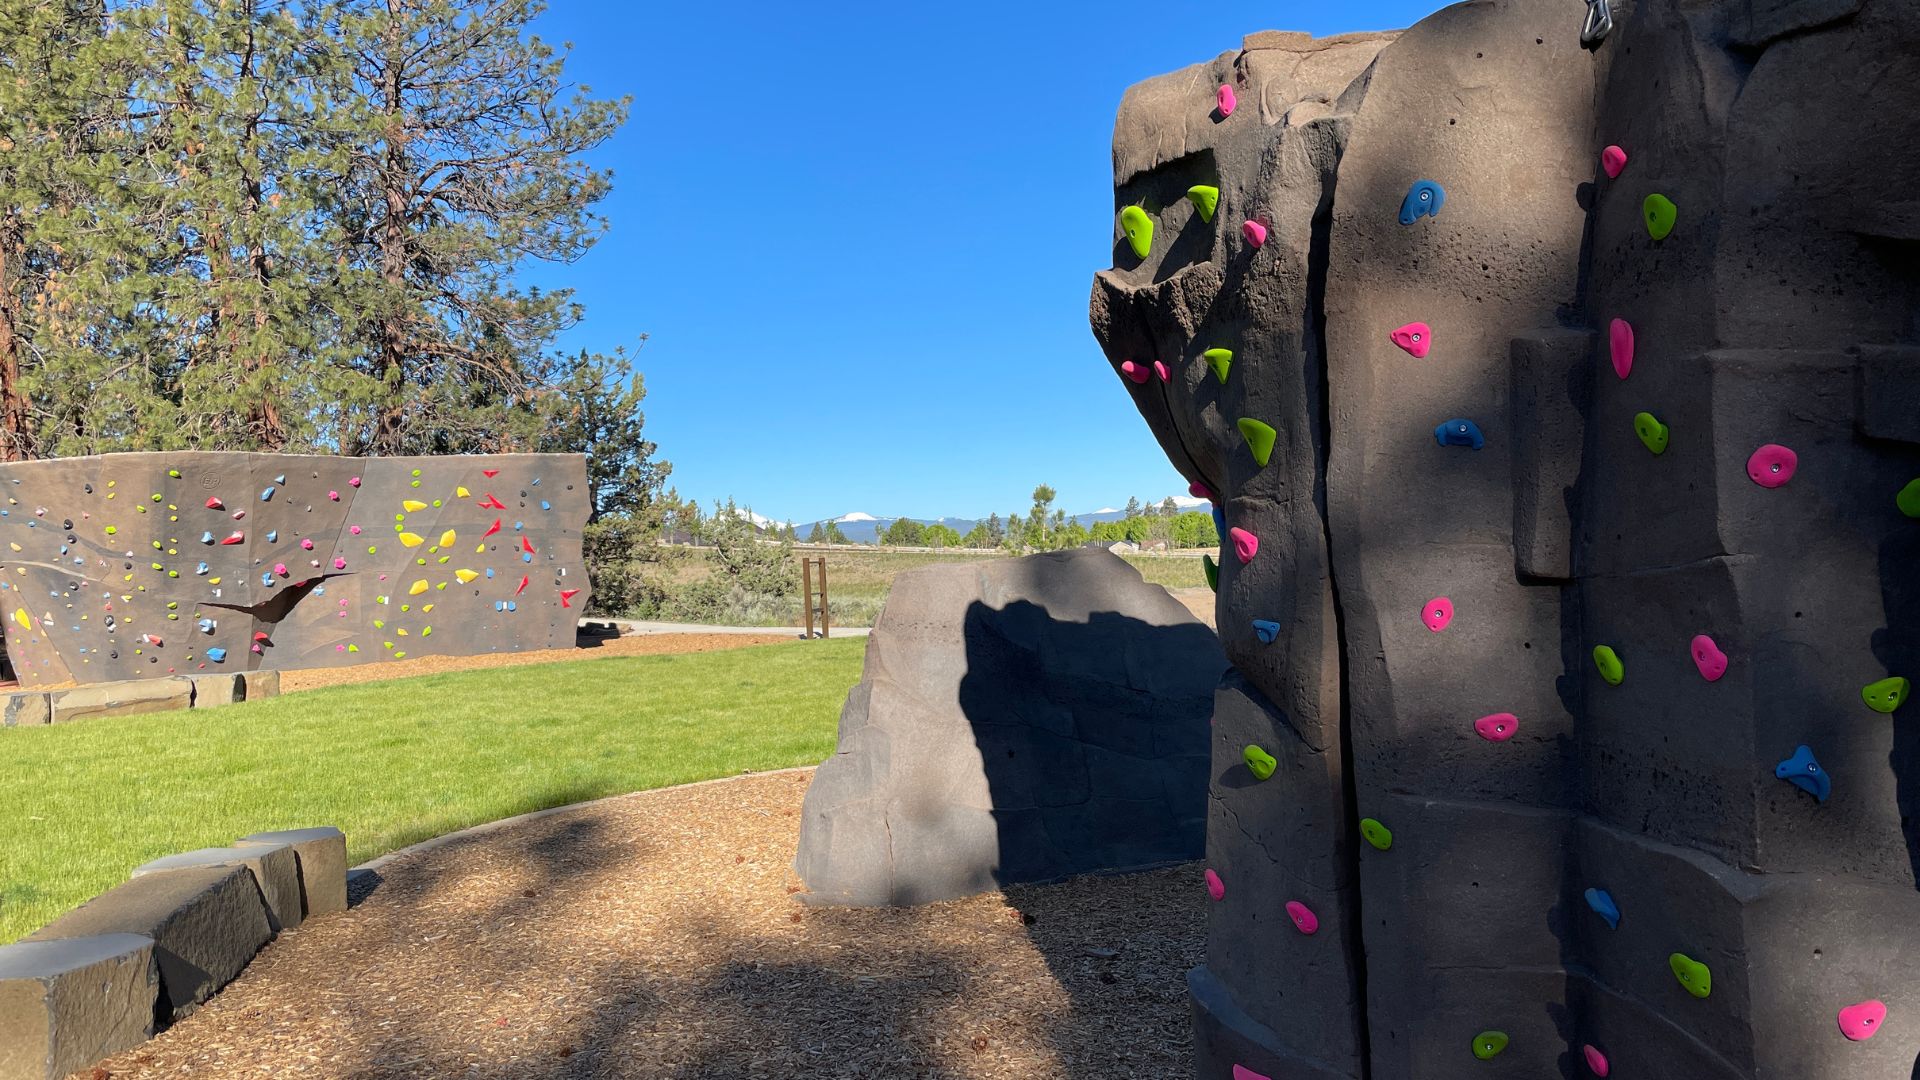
[[1660, 214], [1609, 664], [1206, 198], [1886, 695], [1377, 834], [1909, 499], [1488, 1044], [1259, 439], [1259, 762], [1213, 572], [1651, 431], [1219, 360], [1692, 974], [1139, 229]]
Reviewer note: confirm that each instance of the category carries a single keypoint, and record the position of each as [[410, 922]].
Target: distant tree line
[[1044, 528]]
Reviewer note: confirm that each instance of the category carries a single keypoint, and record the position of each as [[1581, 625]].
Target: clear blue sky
[[861, 237]]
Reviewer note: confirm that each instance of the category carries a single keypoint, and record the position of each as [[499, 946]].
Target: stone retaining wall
[[31, 707]]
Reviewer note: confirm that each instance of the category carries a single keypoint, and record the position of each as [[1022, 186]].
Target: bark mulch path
[[638, 645], [657, 935]]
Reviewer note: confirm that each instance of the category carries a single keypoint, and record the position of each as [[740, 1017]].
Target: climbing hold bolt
[[1660, 214], [1803, 772], [1245, 544], [1886, 695], [1620, 344], [1708, 658], [1266, 630], [1415, 337], [1608, 661], [1652, 432], [1215, 887], [1613, 160], [1862, 1022], [1260, 763], [1224, 101], [1488, 1044], [1255, 232], [1424, 199], [1220, 360], [1497, 727], [1602, 904], [1260, 438], [1205, 198], [1376, 834], [1139, 229], [1692, 974], [1772, 465], [1437, 614], [1304, 920], [1459, 432]]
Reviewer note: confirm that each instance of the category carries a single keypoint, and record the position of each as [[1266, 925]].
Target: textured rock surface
[[206, 924], [1784, 308], [129, 698], [67, 1004], [25, 709], [276, 871], [1017, 720], [132, 566], [321, 854]]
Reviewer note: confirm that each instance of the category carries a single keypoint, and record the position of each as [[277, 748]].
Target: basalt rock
[[1781, 310], [1018, 720]]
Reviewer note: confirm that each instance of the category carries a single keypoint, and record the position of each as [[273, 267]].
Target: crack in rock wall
[[1452, 421]]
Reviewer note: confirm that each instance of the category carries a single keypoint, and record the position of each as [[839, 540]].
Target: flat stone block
[[275, 869], [259, 684], [322, 855], [122, 699], [214, 690], [66, 1004], [206, 924], [24, 710]]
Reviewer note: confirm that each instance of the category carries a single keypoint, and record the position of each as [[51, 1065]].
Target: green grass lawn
[[397, 762]]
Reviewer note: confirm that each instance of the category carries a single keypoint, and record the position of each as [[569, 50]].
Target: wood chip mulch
[[635, 645], [658, 935]]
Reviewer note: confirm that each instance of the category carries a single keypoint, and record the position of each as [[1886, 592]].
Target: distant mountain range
[[864, 528]]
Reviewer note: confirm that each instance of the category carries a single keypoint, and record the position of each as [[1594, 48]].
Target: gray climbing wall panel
[[1494, 463], [134, 565]]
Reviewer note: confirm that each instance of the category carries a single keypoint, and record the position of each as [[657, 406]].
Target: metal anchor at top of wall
[[1599, 22]]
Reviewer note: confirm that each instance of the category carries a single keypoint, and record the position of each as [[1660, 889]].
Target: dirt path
[[657, 935]]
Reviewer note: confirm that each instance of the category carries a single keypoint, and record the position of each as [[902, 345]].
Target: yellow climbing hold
[[414, 506], [447, 538], [465, 576], [411, 540], [1139, 229], [417, 588], [1206, 198], [462, 493], [20, 616]]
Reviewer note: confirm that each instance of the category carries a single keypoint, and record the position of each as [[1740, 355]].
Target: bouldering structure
[[1634, 799], [1017, 720], [133, 566]]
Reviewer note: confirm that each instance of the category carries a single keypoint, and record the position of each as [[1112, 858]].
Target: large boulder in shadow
[[1018, 720]]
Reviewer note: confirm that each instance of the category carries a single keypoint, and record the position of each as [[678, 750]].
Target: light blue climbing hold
[[281, 479], [499, 605], [526, 556], [511, 606], [1603, 906], [1266, 630], [267, 579], [218, 656], [1459, 432], [1424, 199], [206, 626], [206, 538], [273, 537], [266, 494], [518, 525], [489, 571], [536, 481], [1803, 772], [201, 569], [545, 505]]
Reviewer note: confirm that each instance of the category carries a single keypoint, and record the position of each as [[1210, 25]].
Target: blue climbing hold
[[206, 538], [1424, 199], [206, 626], [217, 655], [266, 495], [281, 479], [273, 537], [489, 572], [1603, 906], [1459, 432], [1803, 772], [545, 505], [267, 578], [201, 569], [1219, 520], [1266, 630]]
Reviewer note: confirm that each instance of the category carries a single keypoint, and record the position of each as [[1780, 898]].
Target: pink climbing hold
[[307, 545], [1596, 1060], [1241, 1072], [1303, 917], [1215, 887], [334, 495], [1620, 339], [339, 564], [1225, 101], [354, 529], [1160, 369], [1613, 160], [1415, 337], [1862, 1022], [1437, 614], [1255, 233], [355, 482], [1200, 491], [1499, 727], [280, 568], [1245, 544], [1134, 372], [1772, 465], [1708, 658]]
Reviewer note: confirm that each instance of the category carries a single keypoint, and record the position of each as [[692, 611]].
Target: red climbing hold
[[490, 473], [1498, 727], [259, 635], [1135, 373], [522, 588], [236, 537], [215, 503], [1772, 465], [1620, 340], [1415, 337], [526, 545], [491, 503], [496, 527], [566, 595]]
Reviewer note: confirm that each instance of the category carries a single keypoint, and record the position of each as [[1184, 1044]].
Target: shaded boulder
[[1018, 720]]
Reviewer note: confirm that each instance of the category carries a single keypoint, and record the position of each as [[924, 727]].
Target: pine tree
[[1133, 506]]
